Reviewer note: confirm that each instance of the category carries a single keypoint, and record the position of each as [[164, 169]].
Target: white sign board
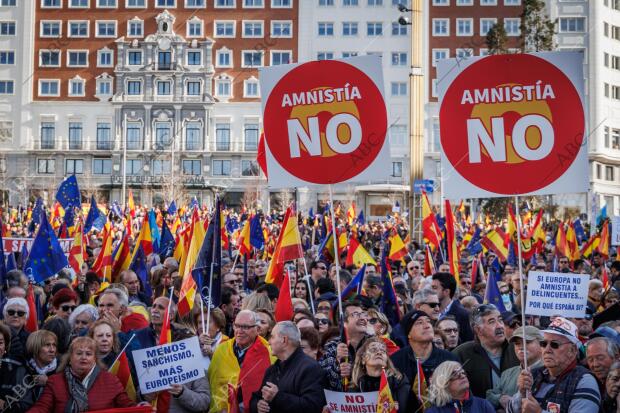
[[556, 293], [351, 402], [161, 366], [615, 230]]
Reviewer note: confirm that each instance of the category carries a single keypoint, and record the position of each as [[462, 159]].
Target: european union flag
[[36, 215], [94, 219], [11, 264], [172, 208], [492, 294], [116, 209], [474, 247], [166, 242], [68, 195], [580, 233], [46, 256], [360, 218], [257, 240], [389, 303], [231, 224], [512, 256], [138, 265], [354, 286], [193, 204]]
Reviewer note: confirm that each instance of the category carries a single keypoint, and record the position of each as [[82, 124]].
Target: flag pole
[[122, 351], [336, 258], [303, 257], [518, 219], [215, 231]]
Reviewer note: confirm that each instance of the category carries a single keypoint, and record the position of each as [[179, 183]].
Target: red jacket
[[106, 392]]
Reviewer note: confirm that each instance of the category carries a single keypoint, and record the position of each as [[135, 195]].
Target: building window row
[[611, 61], [465, 26], [482, 2], [190, 4], [614, 4], [252, 58], [605, 172], [612, 138], [76, 87], [373, 29], [253, 29], [371, 3], [611, 91]]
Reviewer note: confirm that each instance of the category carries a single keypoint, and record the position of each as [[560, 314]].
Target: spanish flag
[[453, 254], [187, 295], [103, 263], [561, 245], [121, 370], [162, 402], [397, 247], [430, 227], [131, 205], [276, 266], [243, 241], [122, 257], [420, 386], [144, 238], [32, 324], [290, 243], [77, 253], [494, 241], [592, 245], [357, 255], [429, 263], [351, 214], [385, 402], [603, 246]]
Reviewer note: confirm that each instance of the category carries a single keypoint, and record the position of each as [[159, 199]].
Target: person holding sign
[[295, 382], [560, 385]]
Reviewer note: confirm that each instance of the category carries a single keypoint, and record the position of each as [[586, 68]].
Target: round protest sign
[[511, 124], [325, 122]]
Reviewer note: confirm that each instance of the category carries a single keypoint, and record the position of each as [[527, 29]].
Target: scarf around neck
[[78, 392], [45, 369]]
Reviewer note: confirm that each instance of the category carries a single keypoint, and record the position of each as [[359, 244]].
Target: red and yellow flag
[[351, 214], [385, 401], [144, 239], [243, 242], [494, 241], [290, 243], [32, 324], [603, 246], [187, 294], [131, 205], [357, 255], [276, 266], [284, 306], [121, 370], [103, 263], [430, 227], [77, 253], [397, 247]]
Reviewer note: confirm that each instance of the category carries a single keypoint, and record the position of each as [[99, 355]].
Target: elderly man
[[238, 365], [113, 305], [601, 353], [450, 329], [560, 385], [295, 382], [132, 282], [490, 354], [499, 396], [427, 300]]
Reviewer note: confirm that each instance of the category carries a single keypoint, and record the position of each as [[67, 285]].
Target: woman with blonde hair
[[372, 358], [382, 329], [106, 337], [449, 391], [256, 301]]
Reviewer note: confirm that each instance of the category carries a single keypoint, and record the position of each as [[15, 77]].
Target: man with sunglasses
[[490, 354], [318, 270], [561, 384], [427, 300]]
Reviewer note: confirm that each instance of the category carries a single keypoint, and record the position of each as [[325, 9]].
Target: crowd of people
[[447, 350]]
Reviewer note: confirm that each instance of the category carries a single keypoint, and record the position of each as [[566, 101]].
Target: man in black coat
[[295, 382], [444, 285]]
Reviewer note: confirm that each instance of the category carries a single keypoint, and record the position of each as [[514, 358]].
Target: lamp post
[[416, 112]]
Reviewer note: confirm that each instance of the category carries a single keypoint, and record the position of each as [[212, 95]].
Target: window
[[105, 58], [374, 29], [134, 58], [326, 2], [398, 135], [165, 3], [486, 25], [434, 88], [250, 89], [77, 58], [253, 3], [135, 28], [136, 3], [49, 58], [488, 2], [224, 29], [224, 3], [512, 26], [48, 135], [441, 2], [7, 28], [78, 3], [74, 166], [191, 167], [280, 58], [46, 166], [512, 2], [51, 3], [598, 171], [615, 92], [78, 29], [194, 28], [6, 130], [609, 173], [104, 87], [399, 59], [76, 87], [324, 55], [106, 3], [75, 135], [252, 59], [223, 58], [349, 28], [164, 60], [134, 136], [252, 29], [7, 57], [164, 87], [440, 54], [375, 2], [193, 88], [106, 29], [221, 167], [464, 27], [222, 136], [615, 138], [162, 135], [223, 87], [249, 168], [399, 88], [441, 27], [349, 54], [102, 166], [399, 29], [161, 167], [49, 87], [50, 29], [572, 24], [7, 3], [464, 2], [464, 53], [6, 87], [193, 137], [326, 29], [350, 3], [194, 58], [195, 3], [104, 136], [281, 28], [615, 62], [281, 3], [133, 166], [250, 132], [397, 169]]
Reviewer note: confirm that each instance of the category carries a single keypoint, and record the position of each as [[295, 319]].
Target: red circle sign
[[325, 122], [511, 124]]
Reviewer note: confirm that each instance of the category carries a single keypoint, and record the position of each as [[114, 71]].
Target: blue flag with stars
[[492, 294], [138, 265], [46, 256], [172, 208], [95, 218], [68, 195], [36, 215], [166, 242], [257, 239]]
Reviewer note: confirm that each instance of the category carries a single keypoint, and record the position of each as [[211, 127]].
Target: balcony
[[105, 145]]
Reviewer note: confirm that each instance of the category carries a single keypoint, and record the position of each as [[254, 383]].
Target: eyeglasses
[[322, 267], [451, 331], [466, 282], [358, 314], [244, 327], [67, 308], [432, 305], [459, 374], [554, 344], [322, 320], [18, 312], [376, 350]]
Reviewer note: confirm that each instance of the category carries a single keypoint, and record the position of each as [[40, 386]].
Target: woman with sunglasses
[[449, 392], [372, 358], [323, 322], [382, 329], [15, 314], [64, 302]]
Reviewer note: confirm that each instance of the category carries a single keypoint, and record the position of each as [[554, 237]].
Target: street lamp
[[416, 112]]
